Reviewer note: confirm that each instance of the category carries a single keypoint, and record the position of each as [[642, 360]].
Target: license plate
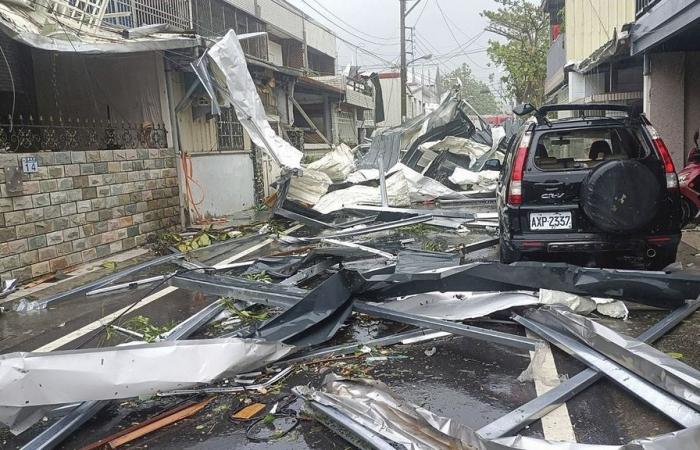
[[550, 221]]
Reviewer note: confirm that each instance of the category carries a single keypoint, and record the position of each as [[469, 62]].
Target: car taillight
[[662, 150], [515, 188]]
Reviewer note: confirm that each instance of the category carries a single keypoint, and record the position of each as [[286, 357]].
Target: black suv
[[594, 184]]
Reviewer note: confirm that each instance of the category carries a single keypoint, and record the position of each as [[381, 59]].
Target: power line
[[449, 28], [346, 23], [421, 13], [295, 12], [347, 31]]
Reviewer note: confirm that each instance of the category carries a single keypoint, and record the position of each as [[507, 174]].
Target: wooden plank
[[154, 423], [311, 124]]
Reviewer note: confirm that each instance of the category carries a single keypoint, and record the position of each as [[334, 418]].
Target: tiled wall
[[83, 205]]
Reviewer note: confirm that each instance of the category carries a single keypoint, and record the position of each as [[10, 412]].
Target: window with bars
[[229, 130], [215, 17]]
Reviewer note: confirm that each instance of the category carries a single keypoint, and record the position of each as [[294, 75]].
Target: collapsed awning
[[18, 24]]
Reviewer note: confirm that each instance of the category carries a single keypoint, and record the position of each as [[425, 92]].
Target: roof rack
[[541, 113]]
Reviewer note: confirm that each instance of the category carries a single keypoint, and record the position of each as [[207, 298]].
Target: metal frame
[[539, 407], [41, 304], [360, 231], [22, 135], [660, 400], [287, 296]]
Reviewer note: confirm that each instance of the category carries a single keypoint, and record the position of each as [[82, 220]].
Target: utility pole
[[402, 12]]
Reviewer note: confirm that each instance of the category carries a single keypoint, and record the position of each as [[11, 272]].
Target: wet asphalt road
[[472, 381]]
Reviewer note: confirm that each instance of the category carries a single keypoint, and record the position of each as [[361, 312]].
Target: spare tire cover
[[620, 196]]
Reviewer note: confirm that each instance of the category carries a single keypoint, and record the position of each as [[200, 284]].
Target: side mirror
[[492, 164], [524, 109]]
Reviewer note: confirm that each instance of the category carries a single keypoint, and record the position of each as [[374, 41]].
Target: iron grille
[[22, 135], [229, 130]]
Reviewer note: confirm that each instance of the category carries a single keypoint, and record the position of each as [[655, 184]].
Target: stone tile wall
[[83, 205]]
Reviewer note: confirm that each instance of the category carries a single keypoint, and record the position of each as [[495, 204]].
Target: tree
[[523, 55], [475, 92]]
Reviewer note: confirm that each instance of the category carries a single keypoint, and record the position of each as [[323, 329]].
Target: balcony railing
[[136, 13], [30, 135], [642, 6]]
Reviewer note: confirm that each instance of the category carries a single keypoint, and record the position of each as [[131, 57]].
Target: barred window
[[229, 130]]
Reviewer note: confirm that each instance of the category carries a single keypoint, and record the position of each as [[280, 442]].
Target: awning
[[662, 22], [309, 85], [617, 47]]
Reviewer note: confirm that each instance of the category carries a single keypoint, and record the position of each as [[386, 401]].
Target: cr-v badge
[[553, 195]]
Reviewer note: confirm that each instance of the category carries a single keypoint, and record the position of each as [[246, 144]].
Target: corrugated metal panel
[[320, 39], [245, 5], [281, 17], [590, 24]]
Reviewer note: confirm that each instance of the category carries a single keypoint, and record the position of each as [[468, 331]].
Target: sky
[[451, 30]]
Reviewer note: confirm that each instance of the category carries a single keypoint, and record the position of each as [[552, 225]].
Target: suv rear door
[[560, 159]]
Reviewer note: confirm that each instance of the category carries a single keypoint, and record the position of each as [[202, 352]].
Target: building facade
[[589, 60], [666, 35], [121, 134]]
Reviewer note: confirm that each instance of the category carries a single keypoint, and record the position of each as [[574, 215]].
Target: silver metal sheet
[[228, 56], [371, 404], [99, 44], [33, 379], [671, 375], [460, 305]]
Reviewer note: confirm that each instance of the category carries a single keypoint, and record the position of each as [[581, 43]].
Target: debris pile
[[432, 158], [277, 344], [382, 276]]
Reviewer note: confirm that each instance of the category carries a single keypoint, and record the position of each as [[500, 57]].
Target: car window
[[584, 148]]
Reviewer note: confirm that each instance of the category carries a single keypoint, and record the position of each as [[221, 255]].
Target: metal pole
[[496, 337], [382, 182], [541, 406], [402, 12], [41, 304], [175, 133]]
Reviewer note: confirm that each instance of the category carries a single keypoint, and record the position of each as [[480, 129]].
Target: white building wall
[[391, 93], [245, 5], [320, 39], [283, 18]]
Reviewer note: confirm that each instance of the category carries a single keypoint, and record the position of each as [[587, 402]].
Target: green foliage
[[523, 55], [433, 246], [418, 229], [203, 238], [260, 276], [476, 92], [247, 315], [143, 325]]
